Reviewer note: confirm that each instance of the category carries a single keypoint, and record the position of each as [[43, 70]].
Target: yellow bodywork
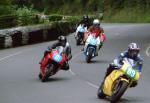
[[110, 79]]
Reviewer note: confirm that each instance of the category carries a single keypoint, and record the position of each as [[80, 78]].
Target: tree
[[5, 2]]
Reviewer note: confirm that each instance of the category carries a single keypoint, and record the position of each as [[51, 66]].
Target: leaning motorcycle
[[118, 82], [91, 46], [56, 59], [81, 29]]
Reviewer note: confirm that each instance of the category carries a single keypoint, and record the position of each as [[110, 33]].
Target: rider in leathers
[[98, 32], [85, 21], [62, 41], [131, 53]]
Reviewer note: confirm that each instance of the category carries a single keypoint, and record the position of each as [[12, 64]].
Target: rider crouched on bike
[[62, 41], [86, 21], [131, 53], [98, 32]]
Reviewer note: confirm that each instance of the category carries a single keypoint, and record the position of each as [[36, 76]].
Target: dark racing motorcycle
[[54, 61]]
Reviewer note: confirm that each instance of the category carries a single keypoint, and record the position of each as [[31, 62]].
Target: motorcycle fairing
[[115, 74], [108, 83], [90, 46]]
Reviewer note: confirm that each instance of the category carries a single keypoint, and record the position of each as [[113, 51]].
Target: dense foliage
[[63, 6], [127, 10], [24, 12]]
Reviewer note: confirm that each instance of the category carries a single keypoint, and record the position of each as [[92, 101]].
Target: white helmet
[[96, 21]]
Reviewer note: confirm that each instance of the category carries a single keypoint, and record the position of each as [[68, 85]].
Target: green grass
[[131, 15]]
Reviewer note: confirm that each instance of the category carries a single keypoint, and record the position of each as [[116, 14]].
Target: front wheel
[[77, 42], [119, 91], [40, 76], [43, 79], [89, 55], [49, 72], [100, 93]]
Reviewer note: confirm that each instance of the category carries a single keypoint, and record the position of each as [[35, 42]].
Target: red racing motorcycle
[[52, 63]]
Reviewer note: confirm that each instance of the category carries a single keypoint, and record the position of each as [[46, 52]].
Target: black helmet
[[133, 50], [85, 17], [62, 39]]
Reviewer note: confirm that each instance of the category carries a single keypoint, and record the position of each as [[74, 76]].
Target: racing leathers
[[82, 29], [98, 32], [118, 62], [86, 22]]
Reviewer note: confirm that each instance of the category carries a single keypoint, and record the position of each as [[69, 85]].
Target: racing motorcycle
[[91, 46], [118, 82], [81, 29], [56, 59]]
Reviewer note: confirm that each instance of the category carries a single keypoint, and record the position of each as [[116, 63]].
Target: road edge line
[[147, 51], [11, 55]]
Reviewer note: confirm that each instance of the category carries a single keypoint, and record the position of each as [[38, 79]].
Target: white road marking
[[93, 85], [76, 55], [74, 74], [11, 55], [148, 51]]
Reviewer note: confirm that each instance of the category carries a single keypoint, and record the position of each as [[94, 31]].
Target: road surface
[[19, 70]]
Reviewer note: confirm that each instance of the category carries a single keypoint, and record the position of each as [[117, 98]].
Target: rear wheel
[[119, 91]]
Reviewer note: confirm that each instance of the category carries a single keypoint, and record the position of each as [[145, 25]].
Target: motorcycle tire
[[40, 76], [123, 85], [78, 42], [44, 79], [89, 56], [100, 93]]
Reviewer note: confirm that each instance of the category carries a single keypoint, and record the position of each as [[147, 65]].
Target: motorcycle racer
[[133, 54], [62, 41]]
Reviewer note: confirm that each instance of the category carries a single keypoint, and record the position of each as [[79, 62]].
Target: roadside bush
[[8, 21], [55, 17], [73, 19], [5, 9], [26, 16]]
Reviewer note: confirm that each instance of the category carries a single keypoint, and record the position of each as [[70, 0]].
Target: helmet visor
[[96, 25], [63, 43], [134, 53]]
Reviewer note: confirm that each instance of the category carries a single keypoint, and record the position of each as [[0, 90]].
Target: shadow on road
[[94, 61], [56, 79], [122, 100], [100, 61]]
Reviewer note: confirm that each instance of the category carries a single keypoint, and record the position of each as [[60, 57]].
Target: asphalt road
[[19, 70]]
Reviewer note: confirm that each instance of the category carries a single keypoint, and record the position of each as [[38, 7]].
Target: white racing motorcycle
[[90, 49], [79, 36]]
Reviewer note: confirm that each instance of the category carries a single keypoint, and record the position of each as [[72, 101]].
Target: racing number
[[131, 72]]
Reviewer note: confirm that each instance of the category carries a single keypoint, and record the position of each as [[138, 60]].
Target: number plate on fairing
[[57, 58], [131, 72]]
